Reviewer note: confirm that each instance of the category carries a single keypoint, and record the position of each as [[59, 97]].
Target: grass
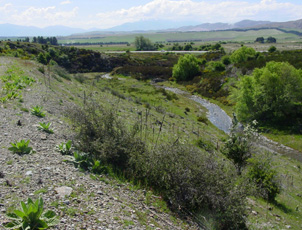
[[291, 140], [247, 36]]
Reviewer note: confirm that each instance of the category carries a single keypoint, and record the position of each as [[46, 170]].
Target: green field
[[244, 36]]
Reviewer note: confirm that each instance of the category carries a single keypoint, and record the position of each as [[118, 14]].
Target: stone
[[43, 137], [63, 191], [29, 173], [67, 202], [100, 192], [255, 213]]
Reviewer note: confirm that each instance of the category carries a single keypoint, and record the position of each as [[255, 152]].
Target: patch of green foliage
[[37, 111], [261, 173], [31, 216], [243, 54], [65, 148], [14, 81], [20, 147], [45, 127], [186, 68], [238, 147], [270, 94]]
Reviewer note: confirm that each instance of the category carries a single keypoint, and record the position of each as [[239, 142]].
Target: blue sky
[[105, 14]]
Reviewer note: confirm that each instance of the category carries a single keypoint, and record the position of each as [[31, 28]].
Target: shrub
[[238, 148], [31, 216], [38, 111], [21, 147], [103, 136], [186, 68], [216, 66], [45, 127], [272, 49], [264, 176], [190, 179], [243, 54], [65, 148], [226, 60]]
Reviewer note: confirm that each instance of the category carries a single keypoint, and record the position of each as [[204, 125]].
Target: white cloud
[[65, 2], [44, 16], [6, 7], [205, 11]]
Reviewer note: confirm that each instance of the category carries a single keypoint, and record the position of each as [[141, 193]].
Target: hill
[[282, 25], [10, 30]]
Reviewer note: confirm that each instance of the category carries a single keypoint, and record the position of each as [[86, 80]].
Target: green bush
[[45, 127], [186, 68], [65, 148], [32, 216], [243, 54], [20, 147], [238, 147], [226, 60], [215, 66], [38, 111], [103, 136], [265, 177], [272, 93], [190, 179]]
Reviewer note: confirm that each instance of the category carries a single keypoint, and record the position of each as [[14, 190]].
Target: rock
[[67, 202], [100, 192], [255, 213], [29, 173], [43, 137], [63, 191]]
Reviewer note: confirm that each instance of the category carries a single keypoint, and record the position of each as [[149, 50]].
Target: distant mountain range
[[8, 30]]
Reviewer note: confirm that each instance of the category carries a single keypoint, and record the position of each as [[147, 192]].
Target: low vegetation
[[31, 216], [21, 147]]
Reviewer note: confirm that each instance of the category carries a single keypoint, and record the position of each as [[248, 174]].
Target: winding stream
[[222, 121]]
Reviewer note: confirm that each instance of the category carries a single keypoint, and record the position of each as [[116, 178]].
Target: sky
[[104, 14]]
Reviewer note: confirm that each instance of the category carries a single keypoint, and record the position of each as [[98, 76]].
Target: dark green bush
[[104, 137], [264, 176], [190, 179]]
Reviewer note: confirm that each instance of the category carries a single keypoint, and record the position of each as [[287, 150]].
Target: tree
[[186, 68], [271, 40], [243, 54], [238, 148], [188, 47], [260, 39], [272, 93], [42, 59], [272, 49], [142, 43]]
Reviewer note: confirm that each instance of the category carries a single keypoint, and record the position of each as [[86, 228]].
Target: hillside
[[150, 156], [96, 202]]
